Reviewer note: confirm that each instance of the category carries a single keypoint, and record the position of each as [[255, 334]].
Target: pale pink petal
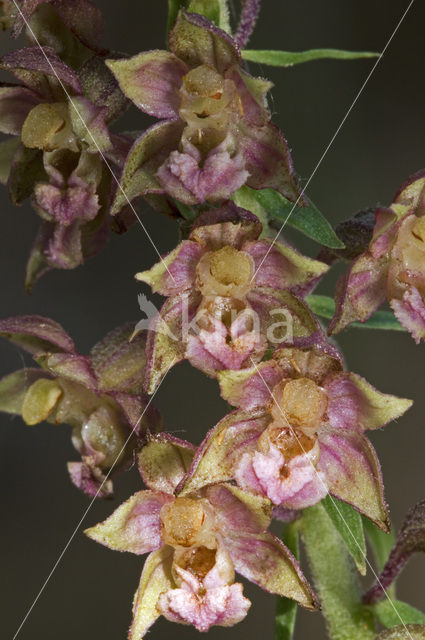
[[410, 312]]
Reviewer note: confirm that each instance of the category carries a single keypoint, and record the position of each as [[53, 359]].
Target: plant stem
[[335, 578]]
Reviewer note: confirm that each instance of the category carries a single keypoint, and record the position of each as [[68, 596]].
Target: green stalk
[[335, 578]]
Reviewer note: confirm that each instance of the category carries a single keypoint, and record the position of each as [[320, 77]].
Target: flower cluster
[[236, 307]]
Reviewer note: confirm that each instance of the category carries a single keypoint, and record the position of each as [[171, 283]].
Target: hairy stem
[[335, 578]]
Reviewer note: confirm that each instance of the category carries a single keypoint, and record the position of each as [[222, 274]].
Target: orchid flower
[[98, 395], [393, 267], [195, 545], [56, 156], [233, 290], [298, 433], [215, 133]]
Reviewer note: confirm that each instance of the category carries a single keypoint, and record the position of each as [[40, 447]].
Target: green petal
[[196, 44], [376, 409], [156, 578], [14, 387], [164, 461], [40, 400]]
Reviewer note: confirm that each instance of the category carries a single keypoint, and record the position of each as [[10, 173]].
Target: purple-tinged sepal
[[392, 268]]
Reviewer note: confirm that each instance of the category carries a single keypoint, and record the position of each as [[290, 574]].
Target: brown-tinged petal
[[355, 404], [70, 366], [279, 266], [268, 160], [176, 272], [197, 41], [88, 123], [152, 81], [118, 363], [166, 341], [36, 334], [144, 159], [353, 473], [135, 526], [101, 88], [31, 63], [359, 292], [217, 457], [257, 554], [164, 461], [284, 318], [250, 388]]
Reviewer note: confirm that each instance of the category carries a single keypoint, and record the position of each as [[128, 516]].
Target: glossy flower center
[[303, 403], [205, 82], [226, 272], [199, 561], [230, 266], [103, 433], [182, 521], [290, 442], [48, 127]]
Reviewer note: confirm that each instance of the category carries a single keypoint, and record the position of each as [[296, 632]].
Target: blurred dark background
[[382, 142]]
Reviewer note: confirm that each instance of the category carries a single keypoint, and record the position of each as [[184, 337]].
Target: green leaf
[[247, 198], [286, 609], [390, 614], [381, 542], [348, 522], [307, 219], [334, 576], [324, 306], [289, 58]]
